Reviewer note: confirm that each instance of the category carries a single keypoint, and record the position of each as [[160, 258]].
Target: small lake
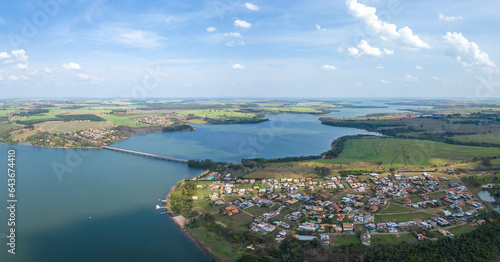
[[486, 196]]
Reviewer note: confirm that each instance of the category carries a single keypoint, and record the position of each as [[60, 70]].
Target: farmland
[[400, 153]]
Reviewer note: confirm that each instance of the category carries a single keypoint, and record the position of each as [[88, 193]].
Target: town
[[419, 206]]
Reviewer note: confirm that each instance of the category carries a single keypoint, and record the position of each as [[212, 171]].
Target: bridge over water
[[146, 154]]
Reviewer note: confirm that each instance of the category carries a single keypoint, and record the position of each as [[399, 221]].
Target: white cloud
[[450, 18], [13, 78], [19, 55], [211, 29], [353, 52], [364, 49], [4, 55], [237, 67], [358, 84], [139, 38], [410, 78], [21, 66], [251, 6], [465, 52], [388, 51], [82, 76], [232, 34], [319, 28], [386, 31], [71, 65], [339, 49], [385, 82], [328, 68], [379, 67], [48, 70], [241, 23], [1, 71], [188, 84], [419, 67], [435, 78], [234, 43]]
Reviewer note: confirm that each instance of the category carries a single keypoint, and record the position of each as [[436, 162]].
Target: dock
[[146, 154]]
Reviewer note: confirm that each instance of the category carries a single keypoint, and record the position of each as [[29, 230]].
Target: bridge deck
[[146, 154]]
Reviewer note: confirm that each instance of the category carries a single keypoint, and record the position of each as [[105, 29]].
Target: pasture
[[60, 127]]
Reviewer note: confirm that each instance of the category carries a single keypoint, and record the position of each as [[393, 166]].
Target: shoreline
[[185, 231]]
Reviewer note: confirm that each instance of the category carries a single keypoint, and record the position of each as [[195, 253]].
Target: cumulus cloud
[[19, 55], [410, 78], [241, 23], [379, 67], [339, 49], [251, 6], [237, 67], [48, 70], [21, 66], [328, 68], [211, 29], [419, 67], [13, 78], [465, 52], [1, 77], [386, 31], [72, 66], [450, 18], [435, 78], [4, 55], [232, 34], [364, 49], [385, 82]]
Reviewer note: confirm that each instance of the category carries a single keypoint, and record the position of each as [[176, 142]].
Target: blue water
[[98, 205]]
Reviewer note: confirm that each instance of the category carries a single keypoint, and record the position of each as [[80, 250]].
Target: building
[[366, 239]]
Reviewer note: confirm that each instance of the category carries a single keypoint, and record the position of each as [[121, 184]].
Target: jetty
[[146, 154]]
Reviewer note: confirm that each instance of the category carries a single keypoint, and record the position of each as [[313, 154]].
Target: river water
[[98, 205]]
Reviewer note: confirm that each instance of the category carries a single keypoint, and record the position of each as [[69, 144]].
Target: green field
[[124, 119], [216, 244], [402, 217], [479, 138], [64, 127], [418, 153], [461, 230], [345, 240], [397, 208], [392, 239], [8, 126]]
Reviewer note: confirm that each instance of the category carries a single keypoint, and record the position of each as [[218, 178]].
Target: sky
[[231, 48]]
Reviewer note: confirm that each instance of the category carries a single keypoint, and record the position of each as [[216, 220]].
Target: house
[[325, 239], [348, 227], [373, 208], [366, 239]]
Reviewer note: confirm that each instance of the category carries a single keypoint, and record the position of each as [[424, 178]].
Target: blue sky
[[232, 48]]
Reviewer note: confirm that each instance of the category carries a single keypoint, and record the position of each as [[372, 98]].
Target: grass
[[396, 208], [215, 244], [392, 239], [218, 113], [7, 127], [402, 217], [23, 134], [124, 119], [279, 174], [64, 127], [461, 230], [418, 153], [345, 240], [479, 138]]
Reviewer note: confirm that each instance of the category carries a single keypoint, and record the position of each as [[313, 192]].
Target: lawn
[[396, 208], [402, 217], [345, 240], [395, 152], [392, 239], [461, 230], [479, 138]]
